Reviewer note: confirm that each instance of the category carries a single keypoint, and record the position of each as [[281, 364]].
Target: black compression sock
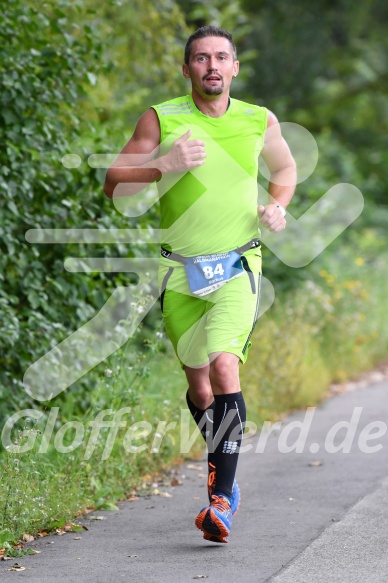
[[205, 424], [228, 427]]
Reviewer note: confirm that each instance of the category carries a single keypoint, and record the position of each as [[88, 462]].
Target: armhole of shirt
[[155, 108], [265, 121]]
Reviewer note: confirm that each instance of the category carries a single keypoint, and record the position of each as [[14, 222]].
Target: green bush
[[46, 65]]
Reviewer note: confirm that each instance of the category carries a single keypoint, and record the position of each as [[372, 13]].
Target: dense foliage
[[47, 62], [50, 57]]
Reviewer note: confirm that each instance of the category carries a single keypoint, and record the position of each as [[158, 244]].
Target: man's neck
[[213, 107]]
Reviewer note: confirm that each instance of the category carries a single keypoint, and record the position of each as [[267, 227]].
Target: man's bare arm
[[138, 165], [282, 167]]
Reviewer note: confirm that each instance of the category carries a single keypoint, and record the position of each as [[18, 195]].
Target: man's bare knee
[[201, 397], [200, 390], [224, 373]]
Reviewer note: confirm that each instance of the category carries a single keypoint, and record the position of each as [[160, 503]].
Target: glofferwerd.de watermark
[[110, 428]]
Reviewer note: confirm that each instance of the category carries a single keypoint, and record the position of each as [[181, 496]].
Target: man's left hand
[[271, 217]]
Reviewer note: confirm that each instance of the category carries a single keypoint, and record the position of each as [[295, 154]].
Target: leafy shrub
[[45, 66]]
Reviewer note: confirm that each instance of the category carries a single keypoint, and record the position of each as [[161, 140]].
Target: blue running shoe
[[215, 520], [211, 488]]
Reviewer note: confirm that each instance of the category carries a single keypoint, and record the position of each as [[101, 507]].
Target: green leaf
[[104, 505]]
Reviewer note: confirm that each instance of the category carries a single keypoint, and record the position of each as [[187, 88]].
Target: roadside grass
[[330, 329], [333, 327], [84, 465]]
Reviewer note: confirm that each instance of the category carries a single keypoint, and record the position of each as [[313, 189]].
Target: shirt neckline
[[201, 114]]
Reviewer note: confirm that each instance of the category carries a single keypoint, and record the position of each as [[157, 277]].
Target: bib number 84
[[209, 272]]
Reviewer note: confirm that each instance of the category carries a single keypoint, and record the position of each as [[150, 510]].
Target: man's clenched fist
[[271, 216], [184, 154]]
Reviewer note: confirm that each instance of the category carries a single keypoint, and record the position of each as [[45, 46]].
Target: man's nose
[[212, 64]]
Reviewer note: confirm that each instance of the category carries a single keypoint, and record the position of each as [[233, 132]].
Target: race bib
[[206, 273]]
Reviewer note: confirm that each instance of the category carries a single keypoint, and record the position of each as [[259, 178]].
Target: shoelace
[[220, 503]]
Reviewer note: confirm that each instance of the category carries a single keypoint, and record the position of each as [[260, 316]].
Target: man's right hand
[[183, 155], [126, 179]]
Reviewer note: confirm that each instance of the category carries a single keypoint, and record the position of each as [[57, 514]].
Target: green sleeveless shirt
[[211, 208]]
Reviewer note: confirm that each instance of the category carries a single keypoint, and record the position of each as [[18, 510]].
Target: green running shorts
[[222, 321]]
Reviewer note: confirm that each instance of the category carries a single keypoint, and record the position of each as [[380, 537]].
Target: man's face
[[211, 67]]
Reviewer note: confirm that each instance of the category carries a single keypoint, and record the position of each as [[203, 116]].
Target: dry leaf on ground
[[165, 495], [60, 531], [17, 567], [97, 517]]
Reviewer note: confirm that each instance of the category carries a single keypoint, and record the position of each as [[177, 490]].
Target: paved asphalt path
[[305, 517]]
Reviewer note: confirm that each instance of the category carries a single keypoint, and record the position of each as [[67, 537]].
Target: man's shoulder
[[248, 108], [175, 105]]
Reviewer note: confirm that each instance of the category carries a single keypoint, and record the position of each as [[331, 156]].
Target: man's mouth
[[213, 78]]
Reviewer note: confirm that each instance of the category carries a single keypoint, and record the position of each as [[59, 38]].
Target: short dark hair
[[205, 31]]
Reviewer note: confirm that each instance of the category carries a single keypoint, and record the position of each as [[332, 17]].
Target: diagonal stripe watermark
[[115, 323]]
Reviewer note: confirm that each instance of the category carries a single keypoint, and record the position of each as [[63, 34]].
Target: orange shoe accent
[[200, 518], [215, 539], [218, 503], [211, 486], [222, 505]]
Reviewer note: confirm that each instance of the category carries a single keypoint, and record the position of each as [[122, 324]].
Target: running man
[[202, 149]]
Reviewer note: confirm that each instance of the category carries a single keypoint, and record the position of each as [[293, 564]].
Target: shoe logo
[[229, 447]]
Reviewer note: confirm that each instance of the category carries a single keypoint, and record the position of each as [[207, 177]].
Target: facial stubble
[[217, 90]]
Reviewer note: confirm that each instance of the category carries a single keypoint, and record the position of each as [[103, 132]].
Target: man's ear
[[185, 71]]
